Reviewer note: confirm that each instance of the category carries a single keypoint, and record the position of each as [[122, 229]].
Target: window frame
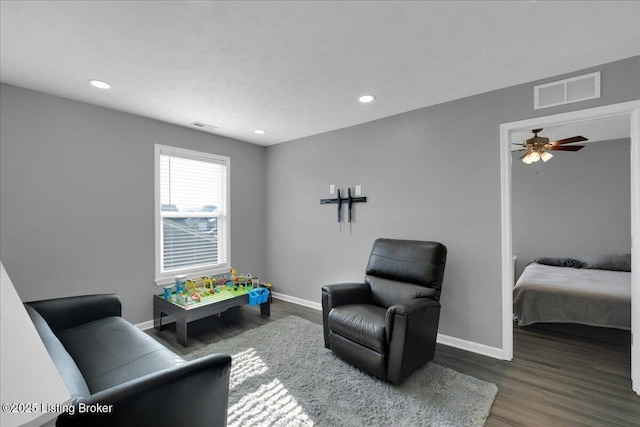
[[165, 278]]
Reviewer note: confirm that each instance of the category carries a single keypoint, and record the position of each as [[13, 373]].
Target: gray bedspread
[[546, 294]]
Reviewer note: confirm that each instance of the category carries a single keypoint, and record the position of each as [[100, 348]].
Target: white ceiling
[[297, 68]]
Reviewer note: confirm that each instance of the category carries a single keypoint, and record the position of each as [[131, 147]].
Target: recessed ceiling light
[[260, 131], [100, 84], [366, 98]]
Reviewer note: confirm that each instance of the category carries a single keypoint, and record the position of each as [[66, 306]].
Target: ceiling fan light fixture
[[527, 159], [534, 156], [545, 156]]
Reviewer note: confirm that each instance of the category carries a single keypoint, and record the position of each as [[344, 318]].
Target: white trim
[[631, 109], [470, 346], [149, 323], [166, 278], [635, 252], [156, 211], [145, 325], [507, 241], [296, 300]]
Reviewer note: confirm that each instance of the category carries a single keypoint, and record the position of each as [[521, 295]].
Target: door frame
[[630, 109]]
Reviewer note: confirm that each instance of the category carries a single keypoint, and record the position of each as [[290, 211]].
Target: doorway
[[629, 110]]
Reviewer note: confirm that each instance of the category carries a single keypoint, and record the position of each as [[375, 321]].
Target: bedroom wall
[[432, 174], [578, 204], [77, 196]]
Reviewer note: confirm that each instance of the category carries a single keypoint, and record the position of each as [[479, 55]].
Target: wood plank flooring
[[554, 379]]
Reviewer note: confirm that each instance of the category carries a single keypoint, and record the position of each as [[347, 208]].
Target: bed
[[586, 296]]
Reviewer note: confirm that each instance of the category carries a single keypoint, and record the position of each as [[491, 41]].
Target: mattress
[[546, 294]]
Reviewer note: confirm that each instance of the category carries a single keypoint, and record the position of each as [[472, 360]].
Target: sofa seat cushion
[[111, 351], [361, 323]]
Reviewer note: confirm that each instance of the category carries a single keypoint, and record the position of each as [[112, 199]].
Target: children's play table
[[209, 305]]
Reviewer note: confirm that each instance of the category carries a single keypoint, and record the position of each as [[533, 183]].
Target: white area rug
[[283, 376]]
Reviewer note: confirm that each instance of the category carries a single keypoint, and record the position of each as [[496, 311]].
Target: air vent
[[567, 91], [204, 126]]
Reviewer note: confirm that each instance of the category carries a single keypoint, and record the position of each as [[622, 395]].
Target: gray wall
[[76, 197], [578, 203], [76, 203], [433, 174]]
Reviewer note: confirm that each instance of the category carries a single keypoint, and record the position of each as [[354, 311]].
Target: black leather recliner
[[387, 326]]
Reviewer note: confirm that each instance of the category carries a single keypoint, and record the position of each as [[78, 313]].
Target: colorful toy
[[195, 297], [182, 298], [207, 282], [180, 283], [191, 285]]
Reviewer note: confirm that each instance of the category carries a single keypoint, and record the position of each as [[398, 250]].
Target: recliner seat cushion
[[111, 351], [361, 323]]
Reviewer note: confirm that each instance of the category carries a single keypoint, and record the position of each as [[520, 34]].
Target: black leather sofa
[[387, 326], [105, 360]]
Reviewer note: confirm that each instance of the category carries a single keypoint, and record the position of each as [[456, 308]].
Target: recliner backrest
[[400, 270]]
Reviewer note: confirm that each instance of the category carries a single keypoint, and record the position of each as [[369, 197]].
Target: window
[[192, 213]]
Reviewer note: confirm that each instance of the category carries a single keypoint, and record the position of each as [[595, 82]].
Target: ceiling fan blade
[[568, 148], [569, 140]]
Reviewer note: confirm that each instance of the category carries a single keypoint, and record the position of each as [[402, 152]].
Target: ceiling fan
[[538, 147]]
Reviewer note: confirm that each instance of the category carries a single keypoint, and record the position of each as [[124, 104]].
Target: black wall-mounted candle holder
[[340, 200]]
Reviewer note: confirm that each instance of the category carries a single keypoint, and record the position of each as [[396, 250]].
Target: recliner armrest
[[419, 304], [347, 293], [67, 312], [413, 308], [195, 393], [412, 329], [342, 294]]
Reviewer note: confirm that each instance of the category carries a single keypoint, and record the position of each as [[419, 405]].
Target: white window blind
[[192, 201]]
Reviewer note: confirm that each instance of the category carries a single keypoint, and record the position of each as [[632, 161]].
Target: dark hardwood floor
[[553, 380]]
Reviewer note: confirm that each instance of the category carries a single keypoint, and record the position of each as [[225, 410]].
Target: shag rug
[[282, 375]]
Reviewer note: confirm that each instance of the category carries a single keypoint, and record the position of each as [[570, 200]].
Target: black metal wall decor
[[340, 200]]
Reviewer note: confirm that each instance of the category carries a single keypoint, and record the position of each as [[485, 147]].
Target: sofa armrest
[[63, 313], [412, 329], [194, 394]]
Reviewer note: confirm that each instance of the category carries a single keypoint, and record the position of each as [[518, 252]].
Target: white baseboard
[[296, 300], [144, 325], [471, 346], [149, 323]]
